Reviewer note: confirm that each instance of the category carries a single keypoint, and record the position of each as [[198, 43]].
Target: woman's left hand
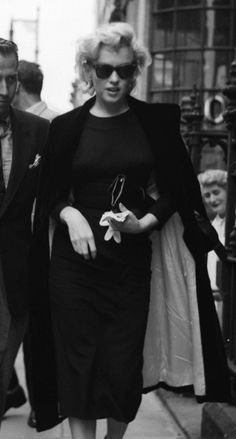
[[132, 224]]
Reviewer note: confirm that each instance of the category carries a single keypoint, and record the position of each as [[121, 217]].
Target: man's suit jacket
[[41, 109], [29, 134]]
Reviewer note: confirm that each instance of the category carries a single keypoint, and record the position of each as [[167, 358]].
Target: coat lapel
[[148, 119], [77, 124], [20, 157]]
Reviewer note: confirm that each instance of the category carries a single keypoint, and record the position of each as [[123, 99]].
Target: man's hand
[[80, 232]]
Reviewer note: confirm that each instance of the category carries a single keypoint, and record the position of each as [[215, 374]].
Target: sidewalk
[[185, 410], [153, 421]]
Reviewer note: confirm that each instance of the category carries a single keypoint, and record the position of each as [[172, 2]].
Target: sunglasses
[[124, 71]]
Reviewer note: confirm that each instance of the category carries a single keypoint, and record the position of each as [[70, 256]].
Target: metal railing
[[196, 136], [229, 270]]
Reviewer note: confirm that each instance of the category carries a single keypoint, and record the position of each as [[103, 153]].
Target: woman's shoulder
[[160, 108], [73, 114]]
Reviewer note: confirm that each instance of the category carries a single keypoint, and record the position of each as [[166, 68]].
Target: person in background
[[102, 159], [22, 140], [213, 184], [27, 98], [28, 92]]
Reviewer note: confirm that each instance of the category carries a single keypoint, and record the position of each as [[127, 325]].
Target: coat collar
[[73, 122], [20, 155], [137, 106], [37, 108], [144, 112]]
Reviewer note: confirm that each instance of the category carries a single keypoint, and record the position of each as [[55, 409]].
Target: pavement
[[162, 415], [185, 410]]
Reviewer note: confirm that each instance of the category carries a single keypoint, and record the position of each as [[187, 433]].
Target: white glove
[[111, 233]]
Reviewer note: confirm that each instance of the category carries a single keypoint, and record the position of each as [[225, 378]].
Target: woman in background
[[100, 159], [213, 184]]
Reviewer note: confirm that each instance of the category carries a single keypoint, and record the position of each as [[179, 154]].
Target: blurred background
[[46, 32]]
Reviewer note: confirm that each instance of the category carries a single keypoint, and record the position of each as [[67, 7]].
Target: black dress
[[100, 306]]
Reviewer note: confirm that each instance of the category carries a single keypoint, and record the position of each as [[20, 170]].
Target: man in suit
[[27, 98], [22, 140], [28, 93]]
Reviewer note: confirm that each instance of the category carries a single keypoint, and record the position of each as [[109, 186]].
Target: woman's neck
[[109, 110]]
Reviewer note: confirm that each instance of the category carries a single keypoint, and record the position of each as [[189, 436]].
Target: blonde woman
[[105, 153]]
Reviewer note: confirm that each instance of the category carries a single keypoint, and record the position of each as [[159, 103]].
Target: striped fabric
[[6, 149]]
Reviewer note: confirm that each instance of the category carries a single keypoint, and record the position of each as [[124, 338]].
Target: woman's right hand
[[80, 232]]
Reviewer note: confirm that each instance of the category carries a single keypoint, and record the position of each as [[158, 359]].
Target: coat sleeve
[[170, 154], [162, 209], [54, 181], [177, 183]]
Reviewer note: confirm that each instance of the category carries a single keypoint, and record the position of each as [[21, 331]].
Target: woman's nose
[[212, 198], [114, 76]]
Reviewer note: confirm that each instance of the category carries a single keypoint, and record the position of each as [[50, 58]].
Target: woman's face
[[215, 198], [112, 90]]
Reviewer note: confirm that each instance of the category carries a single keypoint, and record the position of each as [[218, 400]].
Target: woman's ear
[[87, 69], [132, 84]]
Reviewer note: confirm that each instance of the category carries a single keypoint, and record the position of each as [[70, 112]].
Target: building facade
[[192, 43]]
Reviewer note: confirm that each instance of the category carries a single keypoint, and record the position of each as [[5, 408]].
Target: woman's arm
[[134, 225], [53, 198], [80, 232]]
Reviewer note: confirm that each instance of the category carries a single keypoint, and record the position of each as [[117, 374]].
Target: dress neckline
[[110, 122], [116, 116]]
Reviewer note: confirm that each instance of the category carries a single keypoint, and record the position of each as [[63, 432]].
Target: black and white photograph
[[117, 219]]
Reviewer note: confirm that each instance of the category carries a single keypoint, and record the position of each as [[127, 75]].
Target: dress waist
[[98, 195]]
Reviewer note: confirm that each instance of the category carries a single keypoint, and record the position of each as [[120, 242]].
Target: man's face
[[8, 82]]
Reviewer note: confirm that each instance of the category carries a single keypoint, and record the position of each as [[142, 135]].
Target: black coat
[[29, 135], [179, 191]]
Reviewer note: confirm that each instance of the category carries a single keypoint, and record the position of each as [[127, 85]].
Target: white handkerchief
[[36, 162]]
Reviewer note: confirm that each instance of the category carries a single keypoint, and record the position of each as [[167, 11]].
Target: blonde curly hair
[[114, 36]]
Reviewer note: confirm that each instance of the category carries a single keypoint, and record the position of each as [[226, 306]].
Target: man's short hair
[[8, 47], [30, 76]]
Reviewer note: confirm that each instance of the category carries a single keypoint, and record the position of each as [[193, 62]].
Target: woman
[[213, 184], [101, 158]]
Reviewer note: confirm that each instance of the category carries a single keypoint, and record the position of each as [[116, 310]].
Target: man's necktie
[[2, 183], [4, 129]]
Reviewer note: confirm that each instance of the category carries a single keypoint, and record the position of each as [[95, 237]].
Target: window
[[187, 70], [192, 42], [162, 72], [188, 2], [163, 32], [217, 28], [189, 28], [162, 4]]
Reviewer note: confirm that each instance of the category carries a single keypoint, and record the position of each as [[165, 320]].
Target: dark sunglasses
[[124, 71]]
